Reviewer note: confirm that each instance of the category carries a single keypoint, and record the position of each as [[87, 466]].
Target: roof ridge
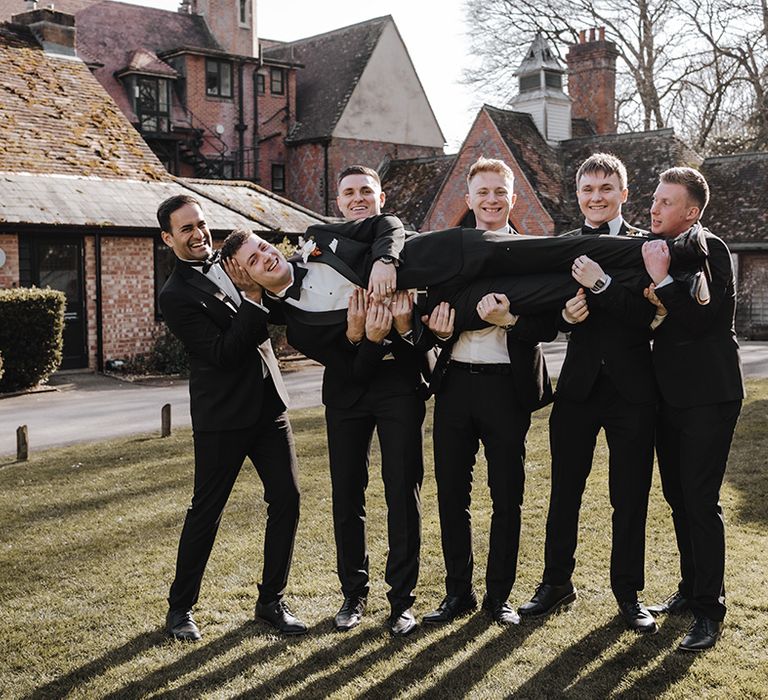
[[330, 32]]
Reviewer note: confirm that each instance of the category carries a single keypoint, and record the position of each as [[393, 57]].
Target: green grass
[[87, 547]]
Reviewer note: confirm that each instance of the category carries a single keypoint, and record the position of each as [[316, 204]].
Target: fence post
[[165, 420], [22, 444]]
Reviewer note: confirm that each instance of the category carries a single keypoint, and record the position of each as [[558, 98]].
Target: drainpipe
[[325, 178], [256, 177], [99, 319], [241, 127]]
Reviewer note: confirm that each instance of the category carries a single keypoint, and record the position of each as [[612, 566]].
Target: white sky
[[434, 34]]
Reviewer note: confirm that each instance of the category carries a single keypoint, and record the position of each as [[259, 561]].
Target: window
[[152, 97], [218, 78], [278, 177], [242, 13], [261, 81], [529, 82], [276, 81], [553, 80]]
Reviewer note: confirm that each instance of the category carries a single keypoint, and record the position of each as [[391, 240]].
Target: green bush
[[31, 327], [167, 356]]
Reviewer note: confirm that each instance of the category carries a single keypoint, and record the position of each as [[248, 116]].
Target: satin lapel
[[201, 282]]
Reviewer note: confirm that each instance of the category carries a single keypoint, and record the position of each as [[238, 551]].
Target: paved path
[[88, 407]]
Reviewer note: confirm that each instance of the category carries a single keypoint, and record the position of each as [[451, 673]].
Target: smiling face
[[490, 198], [189, 237], [264, 263], [359, 197], [600, 197], [672, 211]]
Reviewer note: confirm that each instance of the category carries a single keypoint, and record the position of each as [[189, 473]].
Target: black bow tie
[[206, 264], [602, 228], [299, 273]]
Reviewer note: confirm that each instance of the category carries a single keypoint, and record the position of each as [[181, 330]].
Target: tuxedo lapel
[[328, 257], [203, 284]]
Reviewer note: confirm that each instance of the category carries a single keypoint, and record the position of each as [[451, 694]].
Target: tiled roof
[[8, 8], [146, 61], [645, 154], [411, 186], [266, 209], [537, 159], [60, 200], [738, 205], [333, 62], [56, 118]]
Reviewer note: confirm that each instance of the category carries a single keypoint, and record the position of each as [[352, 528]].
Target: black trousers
[[470, 409], [692, 446], [398, 421], [219, 455], [629, 431]]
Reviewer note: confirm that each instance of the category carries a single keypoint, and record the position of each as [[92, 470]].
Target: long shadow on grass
[[60, 687], [323, 658], [746, 464], [199, 656]]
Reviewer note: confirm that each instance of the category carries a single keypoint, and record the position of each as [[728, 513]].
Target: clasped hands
[[372, 319]]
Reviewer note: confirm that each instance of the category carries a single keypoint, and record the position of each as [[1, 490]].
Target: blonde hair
[[491, 165]]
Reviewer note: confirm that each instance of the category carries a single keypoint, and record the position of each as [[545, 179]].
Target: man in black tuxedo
[[607, 382], [696, 358], [486, 383], [238, 402], [372, 382]]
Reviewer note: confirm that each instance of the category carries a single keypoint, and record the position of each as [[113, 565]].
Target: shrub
[[167, 356], [31, 327]]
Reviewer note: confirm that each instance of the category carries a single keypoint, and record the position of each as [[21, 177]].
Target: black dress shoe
[[350, 613], [278, 614], [676, 604], [702, 635], [637, 617], [180, 625], [501, 611], [401, 624], [547, 599], [451, 607]]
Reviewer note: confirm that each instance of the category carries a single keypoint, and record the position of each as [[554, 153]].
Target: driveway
[[91, 407]]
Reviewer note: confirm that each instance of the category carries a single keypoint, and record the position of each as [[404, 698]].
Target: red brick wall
[[128, 309], [9, 273], [592, 81], [449, 208], [306, 164], [275, 121], [89, 258]]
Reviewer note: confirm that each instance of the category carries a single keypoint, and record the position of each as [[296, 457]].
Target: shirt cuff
[[667, 280]]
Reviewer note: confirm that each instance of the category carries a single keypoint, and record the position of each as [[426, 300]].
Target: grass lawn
[[88, 541]]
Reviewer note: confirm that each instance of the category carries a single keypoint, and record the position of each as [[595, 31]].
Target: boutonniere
[[309, 249], [633, 231]]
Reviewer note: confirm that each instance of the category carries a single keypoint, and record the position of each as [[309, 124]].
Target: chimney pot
[[602, 33], [592, 34], [582, 36]]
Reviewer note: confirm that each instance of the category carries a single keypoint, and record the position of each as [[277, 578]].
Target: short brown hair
[[692, 180], [233, 242], [491, 165], [358, 170], [170, 205], [605, 163]]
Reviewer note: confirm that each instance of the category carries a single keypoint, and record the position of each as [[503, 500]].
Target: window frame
[[219, 64]]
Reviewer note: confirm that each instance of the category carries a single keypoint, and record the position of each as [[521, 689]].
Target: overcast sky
[[433, 32]]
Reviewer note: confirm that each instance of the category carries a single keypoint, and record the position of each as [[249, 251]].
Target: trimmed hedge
[[31, 327]]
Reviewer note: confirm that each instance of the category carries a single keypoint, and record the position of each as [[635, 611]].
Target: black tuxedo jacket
[[226, 380], [529, 370], [614, 339], [695, 352]]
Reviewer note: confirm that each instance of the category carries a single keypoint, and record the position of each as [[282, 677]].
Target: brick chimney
[[232, 23], [54, 31], [592, 80]]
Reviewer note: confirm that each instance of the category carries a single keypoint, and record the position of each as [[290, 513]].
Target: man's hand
[[356, 312], [494, 308], [402, 311], [656, 259], [440, 321], [383, 280], [378, 322], [586, 271], [242, 279], [576, 309], [650, 294]]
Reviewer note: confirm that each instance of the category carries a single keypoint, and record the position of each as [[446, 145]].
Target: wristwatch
[[599, 284], [388, 260]]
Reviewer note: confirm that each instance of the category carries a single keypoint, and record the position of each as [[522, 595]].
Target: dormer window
[[152, 100]]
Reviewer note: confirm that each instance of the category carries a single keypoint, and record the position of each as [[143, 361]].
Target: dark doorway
[[58, 263]]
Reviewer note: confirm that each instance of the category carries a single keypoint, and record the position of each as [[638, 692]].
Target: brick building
[[79, 189], [211, 104], [546, 134]]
